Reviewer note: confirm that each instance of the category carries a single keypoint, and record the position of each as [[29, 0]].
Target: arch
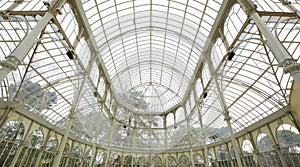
[[232, 153], [88, 157], [115, 159], [192, 101], [68, 22], [183, 160], [100, 158], [120, 114], [234, 22], [222, 154], [170, 119], [157, 122], [211, 157], [156, 161], [247, 147], [287, 135], [198, 159], [52, 144], [83, 52], [128, 160], [101, 86], [180, 115], [77, 151], [12, 131], [141, 161], [198, 88], [67, 148], [218, 52], [11, 135], [171, 161], [188, 106], [264, 142], [36, 139]]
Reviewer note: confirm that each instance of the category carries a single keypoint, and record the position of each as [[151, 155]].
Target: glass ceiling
[[145, 73], [150, 54]]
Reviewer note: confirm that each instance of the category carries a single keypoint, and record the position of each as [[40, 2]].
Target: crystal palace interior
[[149, 83]]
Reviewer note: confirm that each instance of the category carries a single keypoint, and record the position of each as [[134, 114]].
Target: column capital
[[290, 66], [72, 114], [11, 63], [227, 117], [248, 6]]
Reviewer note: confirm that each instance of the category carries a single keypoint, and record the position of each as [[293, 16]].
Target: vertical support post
[[281, 54], [205, 152], [276, 146], [233, 140], [165, 133], [62, 145], [93, 152], [83, 156], [216, 158], [256, 151], [191, 157], [227, 118], [16, 57], [108, 158], [203, 137], [43, 148], [167, 161]]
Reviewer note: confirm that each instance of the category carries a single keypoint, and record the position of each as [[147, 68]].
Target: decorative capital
[[227, 117], [72, 115], [290, 66], [11, 63]]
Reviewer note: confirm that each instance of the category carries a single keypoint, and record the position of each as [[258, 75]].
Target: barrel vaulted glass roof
[[151, 48], [148, 75]]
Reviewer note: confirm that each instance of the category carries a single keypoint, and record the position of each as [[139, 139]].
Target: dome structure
[[149, 83]]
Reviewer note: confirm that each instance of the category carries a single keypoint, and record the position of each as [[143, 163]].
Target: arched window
[[247, 147], [77, 151], [100, 158], [12, 131], [170, 119], [171, 161], [68, 22], [236, 19], [180, 115], [198, 159], [88, 157], [222, 154], [52, 144], [101, 86], [128, 161], [232, 153], [183, 160], [287, 135], [141, 161], [218, 52], [10, 137], [157, 122], [211, 157], [264, 142], [36, 139], [116, 159], [67, 148], [156, 161], [198, 88]]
